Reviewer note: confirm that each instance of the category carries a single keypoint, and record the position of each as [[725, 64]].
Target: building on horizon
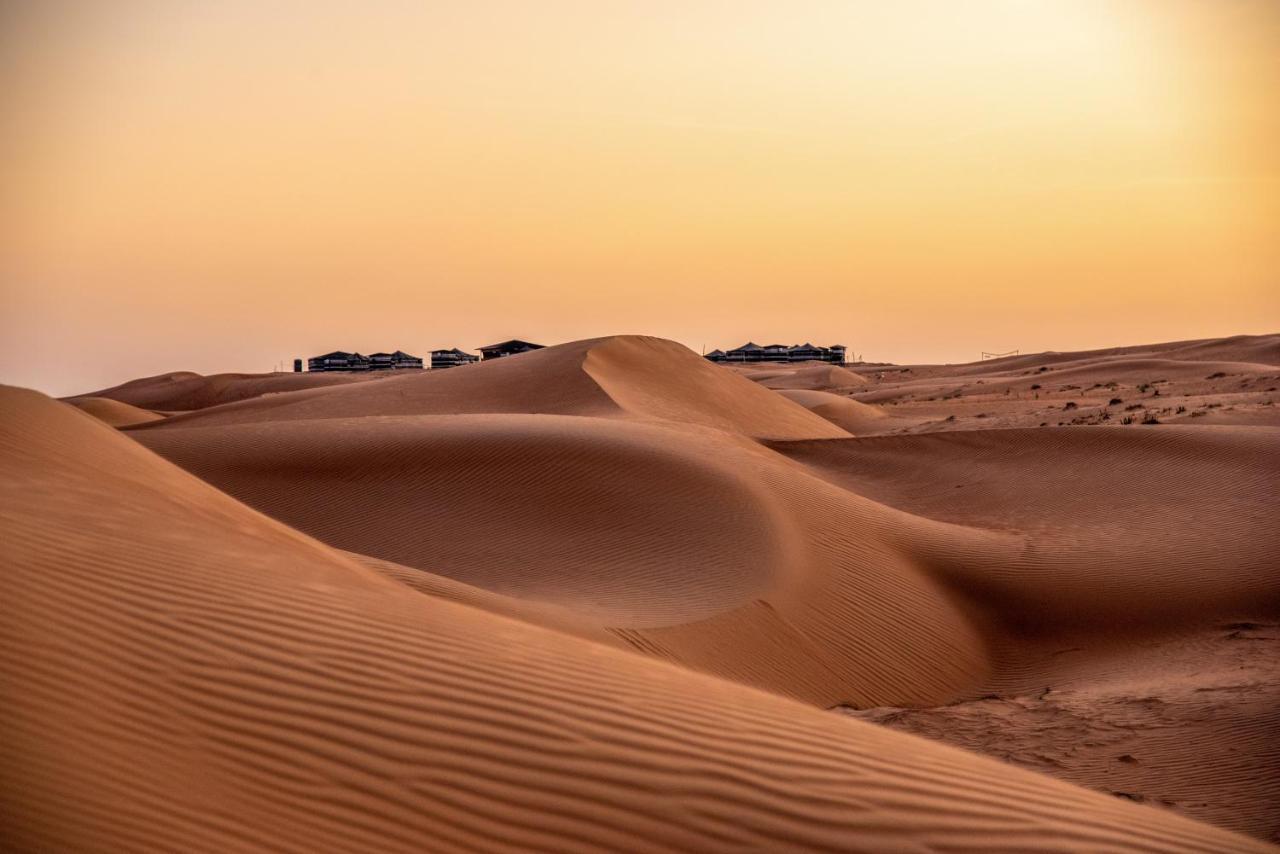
[[451, 358], [399, 360], [340, 360], [513, 347], [752, 352]]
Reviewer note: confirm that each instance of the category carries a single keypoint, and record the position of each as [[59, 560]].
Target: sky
[[227, 186]]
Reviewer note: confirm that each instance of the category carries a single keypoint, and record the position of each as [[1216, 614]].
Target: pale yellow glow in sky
[[221, 186]]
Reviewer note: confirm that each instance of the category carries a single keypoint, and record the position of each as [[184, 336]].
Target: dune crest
[[845, 412], [660, 379]]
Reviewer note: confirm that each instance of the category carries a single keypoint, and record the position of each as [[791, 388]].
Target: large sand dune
[[627, 376], [539, 586], [697, 544], [182, 672]]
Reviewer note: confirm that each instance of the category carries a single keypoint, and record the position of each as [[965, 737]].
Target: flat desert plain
[[611, 596]]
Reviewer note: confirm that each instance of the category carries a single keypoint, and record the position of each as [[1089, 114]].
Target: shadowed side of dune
[[1122, 528], [691, 544], [660, 379], [280, 696], [851, 415], [621, 522]]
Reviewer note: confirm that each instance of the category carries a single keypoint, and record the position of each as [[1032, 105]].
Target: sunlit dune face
[[917, 180]]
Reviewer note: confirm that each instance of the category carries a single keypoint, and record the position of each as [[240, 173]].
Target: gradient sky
[[219, 186]]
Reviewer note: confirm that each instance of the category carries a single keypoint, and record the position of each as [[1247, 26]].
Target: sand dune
[[1119, 527], [626, 376], [1184, 722], [280, 695], [1259, 349], [604, 591], [846, 413], [114, 412], [550, 508], [695, 545], [803, 570], [1228, 381], [180, 391], [814, 376], [1148, 370], [658, 379]]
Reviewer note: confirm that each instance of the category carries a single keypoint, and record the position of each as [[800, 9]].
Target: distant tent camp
[[398, 360], [451, 358], [804, 352], [752, 352], [507, 348], [749, 352], [340, 360]]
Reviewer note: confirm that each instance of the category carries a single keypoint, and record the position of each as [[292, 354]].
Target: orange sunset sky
[[219, 186]]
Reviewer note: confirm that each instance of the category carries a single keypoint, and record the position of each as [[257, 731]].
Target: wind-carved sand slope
[[181, 672]]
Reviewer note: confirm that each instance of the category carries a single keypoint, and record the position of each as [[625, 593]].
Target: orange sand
[[601, 595]]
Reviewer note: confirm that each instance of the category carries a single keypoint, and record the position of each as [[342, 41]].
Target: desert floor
[[609, 595]]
